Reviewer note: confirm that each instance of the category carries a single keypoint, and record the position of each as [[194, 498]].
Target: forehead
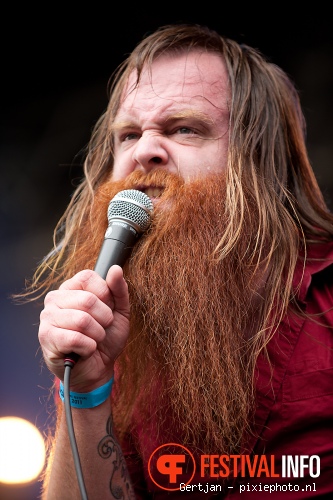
[[195, 77]]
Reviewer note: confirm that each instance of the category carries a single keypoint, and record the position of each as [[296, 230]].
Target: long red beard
[[187, 366]]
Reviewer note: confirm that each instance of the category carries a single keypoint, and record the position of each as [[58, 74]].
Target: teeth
[[153, 192]]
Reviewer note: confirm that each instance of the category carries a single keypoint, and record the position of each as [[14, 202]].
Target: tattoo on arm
[[120, 484]]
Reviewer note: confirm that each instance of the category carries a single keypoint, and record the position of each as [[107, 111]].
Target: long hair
[[267, 148], [267, 163]]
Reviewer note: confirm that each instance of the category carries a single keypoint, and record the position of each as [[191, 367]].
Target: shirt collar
[[318, 256]]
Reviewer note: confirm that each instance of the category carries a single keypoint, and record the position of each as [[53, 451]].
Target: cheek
[[121, 169], [211, 162], [217, 158]]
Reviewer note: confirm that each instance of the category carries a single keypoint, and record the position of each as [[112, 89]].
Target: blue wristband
[[88, 399]]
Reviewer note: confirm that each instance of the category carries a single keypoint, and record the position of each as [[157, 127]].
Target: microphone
[[129, 215]]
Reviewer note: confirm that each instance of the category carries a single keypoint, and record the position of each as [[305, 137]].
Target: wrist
[[88, 399]]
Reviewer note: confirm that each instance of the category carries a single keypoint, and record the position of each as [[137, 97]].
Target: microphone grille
[[131, 205]]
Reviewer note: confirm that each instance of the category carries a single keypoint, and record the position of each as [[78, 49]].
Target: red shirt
[[294, 414]]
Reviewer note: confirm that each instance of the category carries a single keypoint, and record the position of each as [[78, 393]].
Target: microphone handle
[[117, 246]]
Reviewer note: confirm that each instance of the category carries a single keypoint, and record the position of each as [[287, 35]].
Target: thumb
[[119, 290]]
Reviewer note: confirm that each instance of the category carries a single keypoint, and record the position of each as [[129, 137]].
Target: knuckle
[[85, 275], [43, 332], [79, 281], [87, 301], [50, 297], [45, 316], [49, 312], [83, 321]]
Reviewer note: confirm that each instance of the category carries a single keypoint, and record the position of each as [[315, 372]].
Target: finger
[[89, 281], [57, 342], [79, 300], [119, 289], [72, 320]]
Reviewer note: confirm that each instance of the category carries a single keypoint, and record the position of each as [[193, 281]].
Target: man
[[218, 330]]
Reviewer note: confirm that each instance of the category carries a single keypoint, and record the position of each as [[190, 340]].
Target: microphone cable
[[129, 215], [70, 428]]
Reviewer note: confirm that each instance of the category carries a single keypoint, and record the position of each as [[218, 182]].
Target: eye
[[185, 131], [130, 136]]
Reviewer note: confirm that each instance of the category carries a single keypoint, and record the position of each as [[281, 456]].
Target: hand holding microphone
[[129, 215], [86, 310]]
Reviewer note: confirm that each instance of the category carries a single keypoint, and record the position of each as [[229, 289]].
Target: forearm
[[103, 466]]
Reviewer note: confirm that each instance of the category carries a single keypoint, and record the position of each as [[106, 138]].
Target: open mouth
[[153, 191]]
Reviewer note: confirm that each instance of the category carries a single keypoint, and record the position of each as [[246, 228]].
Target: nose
[[150, 151]]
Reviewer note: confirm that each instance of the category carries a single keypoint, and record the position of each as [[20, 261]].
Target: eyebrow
[[190, 113], [186, 113]]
